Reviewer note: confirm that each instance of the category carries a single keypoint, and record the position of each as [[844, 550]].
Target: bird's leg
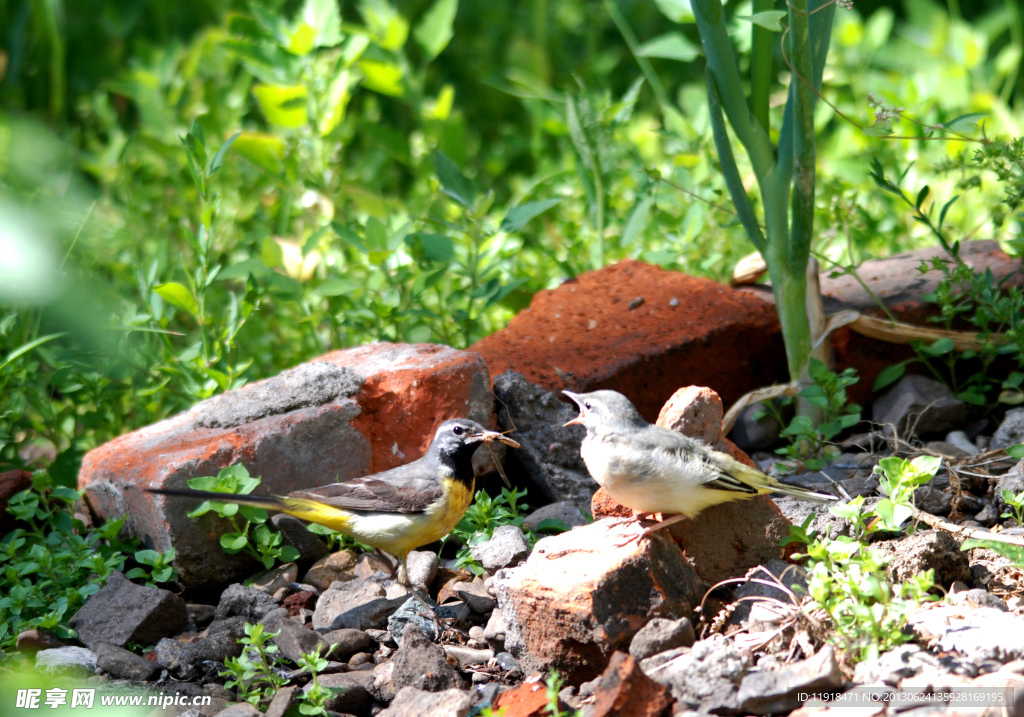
[[663, 524], [644, 532], [403, 579]]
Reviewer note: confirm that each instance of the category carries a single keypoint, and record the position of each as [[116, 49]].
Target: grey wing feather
[[411, 488], [685, 448]]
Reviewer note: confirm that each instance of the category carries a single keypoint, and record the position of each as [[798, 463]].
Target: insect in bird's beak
[[578, 421], [489, 437]]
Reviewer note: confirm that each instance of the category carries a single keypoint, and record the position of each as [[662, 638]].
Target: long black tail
[[258, 501]]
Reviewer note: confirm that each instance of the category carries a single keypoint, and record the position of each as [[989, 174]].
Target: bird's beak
[[578, 421], [492, 436]]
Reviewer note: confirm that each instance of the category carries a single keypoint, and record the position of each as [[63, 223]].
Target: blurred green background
[[202, 193]]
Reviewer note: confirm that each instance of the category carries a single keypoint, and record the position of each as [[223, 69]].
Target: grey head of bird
[[604, 410], [456, 440]]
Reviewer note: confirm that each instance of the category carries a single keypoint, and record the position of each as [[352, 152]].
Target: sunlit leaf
[[283, 106], [517, 217], [383, 77], [177, 295], [671, 46], [434, 31]]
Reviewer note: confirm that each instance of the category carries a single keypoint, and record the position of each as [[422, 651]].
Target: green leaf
[[337, 287], [769, 20], [637, 221], [325, 16], [890, 374], [670, 46], [177, 295], [436, 247], [383, 77], [676, 10], [218, 159], [283, 106], [434, 31], [878, 131], [453, 182], [518, 217], [939, 348], [233, 542], [264, 150], [1015, 451], [965, 123]]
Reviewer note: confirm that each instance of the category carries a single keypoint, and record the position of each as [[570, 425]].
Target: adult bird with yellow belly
[[654, 470], [397, 510]]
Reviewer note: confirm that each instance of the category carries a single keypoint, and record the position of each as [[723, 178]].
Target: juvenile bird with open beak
[[654, 470]]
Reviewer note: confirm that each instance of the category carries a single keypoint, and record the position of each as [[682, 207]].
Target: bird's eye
[[457, 430], [586, 405]]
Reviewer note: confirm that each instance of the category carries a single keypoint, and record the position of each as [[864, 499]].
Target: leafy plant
[[49, 569], [253, 672], [899, 479], [314, 700], [1015, 503], [161, 570], [482, 517], [263, 543], [552, 686], [810, 440]]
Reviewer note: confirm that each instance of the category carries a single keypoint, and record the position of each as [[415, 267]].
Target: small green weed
[[263, 544], [810, 443], [848, 580], [253, 672], [49, 569], [552, 686], [314, 701]]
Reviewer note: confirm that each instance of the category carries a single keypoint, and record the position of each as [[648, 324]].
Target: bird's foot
[[663, 524], [431, 612], [636, 535]]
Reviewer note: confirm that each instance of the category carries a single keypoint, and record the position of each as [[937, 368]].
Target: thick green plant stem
[[760, 65]]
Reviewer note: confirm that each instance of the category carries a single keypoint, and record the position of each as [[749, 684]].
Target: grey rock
[[778, 691], [421, 664], [550, 453], [382, 686], [932, 500], [467, 656], [895, 665], [280, 577], [962, 443], [924, 550], [187, 660], [293, 640], [306, 385], [125, 665], [988, 515], [422, 566], [346, 642], [358, 604], [295, 533], [978, 634], [705, 676], [356, 697], [1010, 431], [244, 601], [507, 661], [507, 547], [240, 709], [476, 597], [123, 612], [66, 661], [494, 631], [977, 597], [563, 511], [281, 702], [413, 702], [754, 434], [920, 405], [414, 612], [661, 634], [200, 615]]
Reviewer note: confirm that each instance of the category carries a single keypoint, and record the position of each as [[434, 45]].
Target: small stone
[[240, 709], [624, 691], [977, 597], [422, 566], [30, 642], [293, 640], [755, 429], [200, 615], [248, 602], [123, 612], [358, 604], [272, 581], [361, 658], [778, 691], [920, 405], [281, 701], [125, 665], [353, 696], [695, 411], [66, 661], [924, 550], [187, 660], [659, 635], [705, 677], [476, 633], [565, 512], [468, 657], [962, 443], [297, 602], [494, 631], [978, 634], [412, 612], [507, 661], [336, 566], [412, 702], [421, 664], [1010, 431], [346, 642], [506, 547]]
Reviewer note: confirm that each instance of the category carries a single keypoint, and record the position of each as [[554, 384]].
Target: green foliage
[[253, 673], [263, 543], [1016, 505], [810, 441], [1014, 553], [848, 580], [51, 567], [314, 700]]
